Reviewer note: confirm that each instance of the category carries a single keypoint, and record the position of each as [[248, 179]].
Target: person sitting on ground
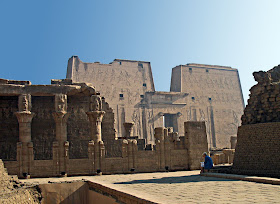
[[208, 163]]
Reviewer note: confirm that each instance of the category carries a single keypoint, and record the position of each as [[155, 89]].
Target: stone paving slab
[[182, 187]]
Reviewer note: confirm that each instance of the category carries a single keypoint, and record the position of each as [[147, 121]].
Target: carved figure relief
[[24, 102], [136, 120], [202, 115], [150, 129], [95, 103], [61, 103]]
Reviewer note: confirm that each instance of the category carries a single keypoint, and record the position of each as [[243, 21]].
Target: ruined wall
[[46, 125], [61, 132], [215, 96], [258, 138]]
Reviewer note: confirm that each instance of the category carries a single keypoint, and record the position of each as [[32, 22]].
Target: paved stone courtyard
[[183, 187]]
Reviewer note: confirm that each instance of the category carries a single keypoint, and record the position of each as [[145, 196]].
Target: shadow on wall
[[180, 179]]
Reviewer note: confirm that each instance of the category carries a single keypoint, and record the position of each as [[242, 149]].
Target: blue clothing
[[208, 163]]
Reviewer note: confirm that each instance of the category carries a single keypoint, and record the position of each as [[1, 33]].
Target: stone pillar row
[[25, 157], [165, 141]]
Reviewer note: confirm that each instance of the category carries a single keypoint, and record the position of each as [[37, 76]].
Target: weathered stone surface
[[258, 138]]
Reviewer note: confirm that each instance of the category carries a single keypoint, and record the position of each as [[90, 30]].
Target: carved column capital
[[128, 129], [95, 116], [24, 116], [61, 117]]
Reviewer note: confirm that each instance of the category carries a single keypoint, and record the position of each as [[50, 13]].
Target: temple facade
[[198, 92]]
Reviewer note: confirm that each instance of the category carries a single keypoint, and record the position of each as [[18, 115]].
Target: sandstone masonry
[[258, 143]]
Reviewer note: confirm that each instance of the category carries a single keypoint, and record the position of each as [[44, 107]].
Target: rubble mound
[[264, 103], [12, 191]]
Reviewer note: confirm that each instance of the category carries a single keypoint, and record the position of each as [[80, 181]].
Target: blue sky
[[38, 37]]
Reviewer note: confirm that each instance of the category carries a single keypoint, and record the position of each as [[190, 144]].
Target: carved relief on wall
[[151, 127], [78, 125], [9, 127], [43, 126], [137, 122], [117, 81]]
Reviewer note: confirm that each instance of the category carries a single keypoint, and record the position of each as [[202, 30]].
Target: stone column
[[167, 148], [25, 145], [95, 115], [91, 157], [60, 116], [128, 130], [125, 155], [159, 136], [129, 153]]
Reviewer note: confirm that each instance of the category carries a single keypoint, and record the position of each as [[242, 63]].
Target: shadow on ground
[[180, 179]]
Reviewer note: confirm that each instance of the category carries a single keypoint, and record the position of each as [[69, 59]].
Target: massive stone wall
[[215, 96], [204, 93], [258, 138]]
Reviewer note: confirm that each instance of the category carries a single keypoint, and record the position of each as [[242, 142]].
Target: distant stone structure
[[258, 143], [198, 92], [67, 128]]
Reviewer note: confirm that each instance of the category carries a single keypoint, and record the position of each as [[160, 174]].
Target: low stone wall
[[257, 150]]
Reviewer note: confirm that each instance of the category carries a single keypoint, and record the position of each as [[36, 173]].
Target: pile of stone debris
[[12, 191]]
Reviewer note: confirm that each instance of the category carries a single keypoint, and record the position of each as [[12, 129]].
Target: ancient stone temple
[[198, 92], [67, 128], [258, 141]]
